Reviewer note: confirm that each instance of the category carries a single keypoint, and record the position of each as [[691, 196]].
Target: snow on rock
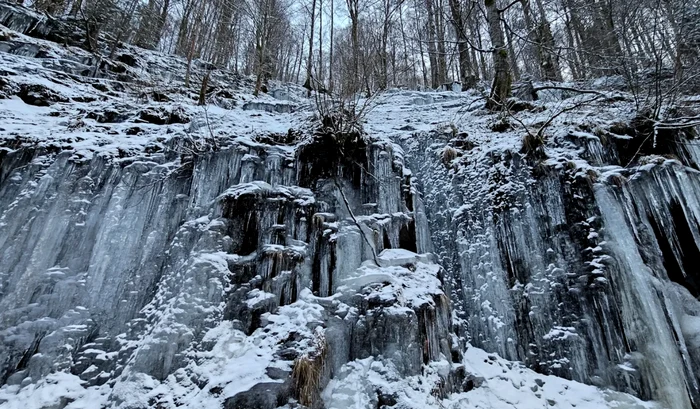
[[494, 383], [543, 270], [158, 253], [506, 384]]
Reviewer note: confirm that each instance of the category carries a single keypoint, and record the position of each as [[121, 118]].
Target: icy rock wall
[[580, 272], [120, 271]]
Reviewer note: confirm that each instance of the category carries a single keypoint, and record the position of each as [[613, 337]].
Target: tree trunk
[[442, 52], [161, 22], [575, 64], [405, 50], [549, 63], [330, 58], [261, 35], [223, 37], [126, 15], [512, 56], [435, 78], [203, 90], [92, 34], [482, 60], [354, 10], [320, 42], [604, 48], [144, 33], [190, 55], [465, 69], [309, 83], [182, 47], [75, 8], [383, 57], [530, 48], [502, 80]]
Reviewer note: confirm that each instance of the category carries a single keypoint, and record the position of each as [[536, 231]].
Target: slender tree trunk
[[75, 8], [435, 78], [309, 84], [578, 33], [465, 69], [160, 23], [531, 48], [190, 54], [549, 65], [320, 41], [330, 58], [237, 47], [436, 45], [574, 62], [480, 43], [354, 11], [502, 78], [513, 57], [223, 36], [603, 49], [442, 52], [643, 43], [383, 57], [203, 90], [405, 50], [263, 32], [144, 34], [422, 60], [292, 70], [126, 15], [182, 47], [301, 55]]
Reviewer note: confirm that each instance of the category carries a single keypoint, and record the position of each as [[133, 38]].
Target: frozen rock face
[[580, 271], [153, 256], [154, 253], [131, 273]]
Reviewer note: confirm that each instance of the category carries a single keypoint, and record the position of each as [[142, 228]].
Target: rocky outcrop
[[121, 270], [155, 253], [578, 269]]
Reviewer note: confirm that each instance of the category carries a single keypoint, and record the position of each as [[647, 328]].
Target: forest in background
[[346, 46]]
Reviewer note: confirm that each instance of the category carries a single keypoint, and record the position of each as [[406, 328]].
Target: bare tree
[[502, 79], [653, 45], [466, 73], [309, 63]]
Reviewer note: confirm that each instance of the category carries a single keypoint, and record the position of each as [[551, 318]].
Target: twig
[[639, 149], [564, 110], [211, 133], [357, 223]]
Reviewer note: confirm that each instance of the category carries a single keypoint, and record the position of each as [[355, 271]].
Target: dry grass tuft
[[307, 374], [532, 142], [448, 155]]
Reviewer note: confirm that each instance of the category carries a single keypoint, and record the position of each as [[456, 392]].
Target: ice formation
[[157, 254]]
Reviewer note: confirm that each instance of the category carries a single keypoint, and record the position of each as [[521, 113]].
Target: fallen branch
[[580, 91]]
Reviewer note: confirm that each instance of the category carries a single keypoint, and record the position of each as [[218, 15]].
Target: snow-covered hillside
[[159, 253]]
